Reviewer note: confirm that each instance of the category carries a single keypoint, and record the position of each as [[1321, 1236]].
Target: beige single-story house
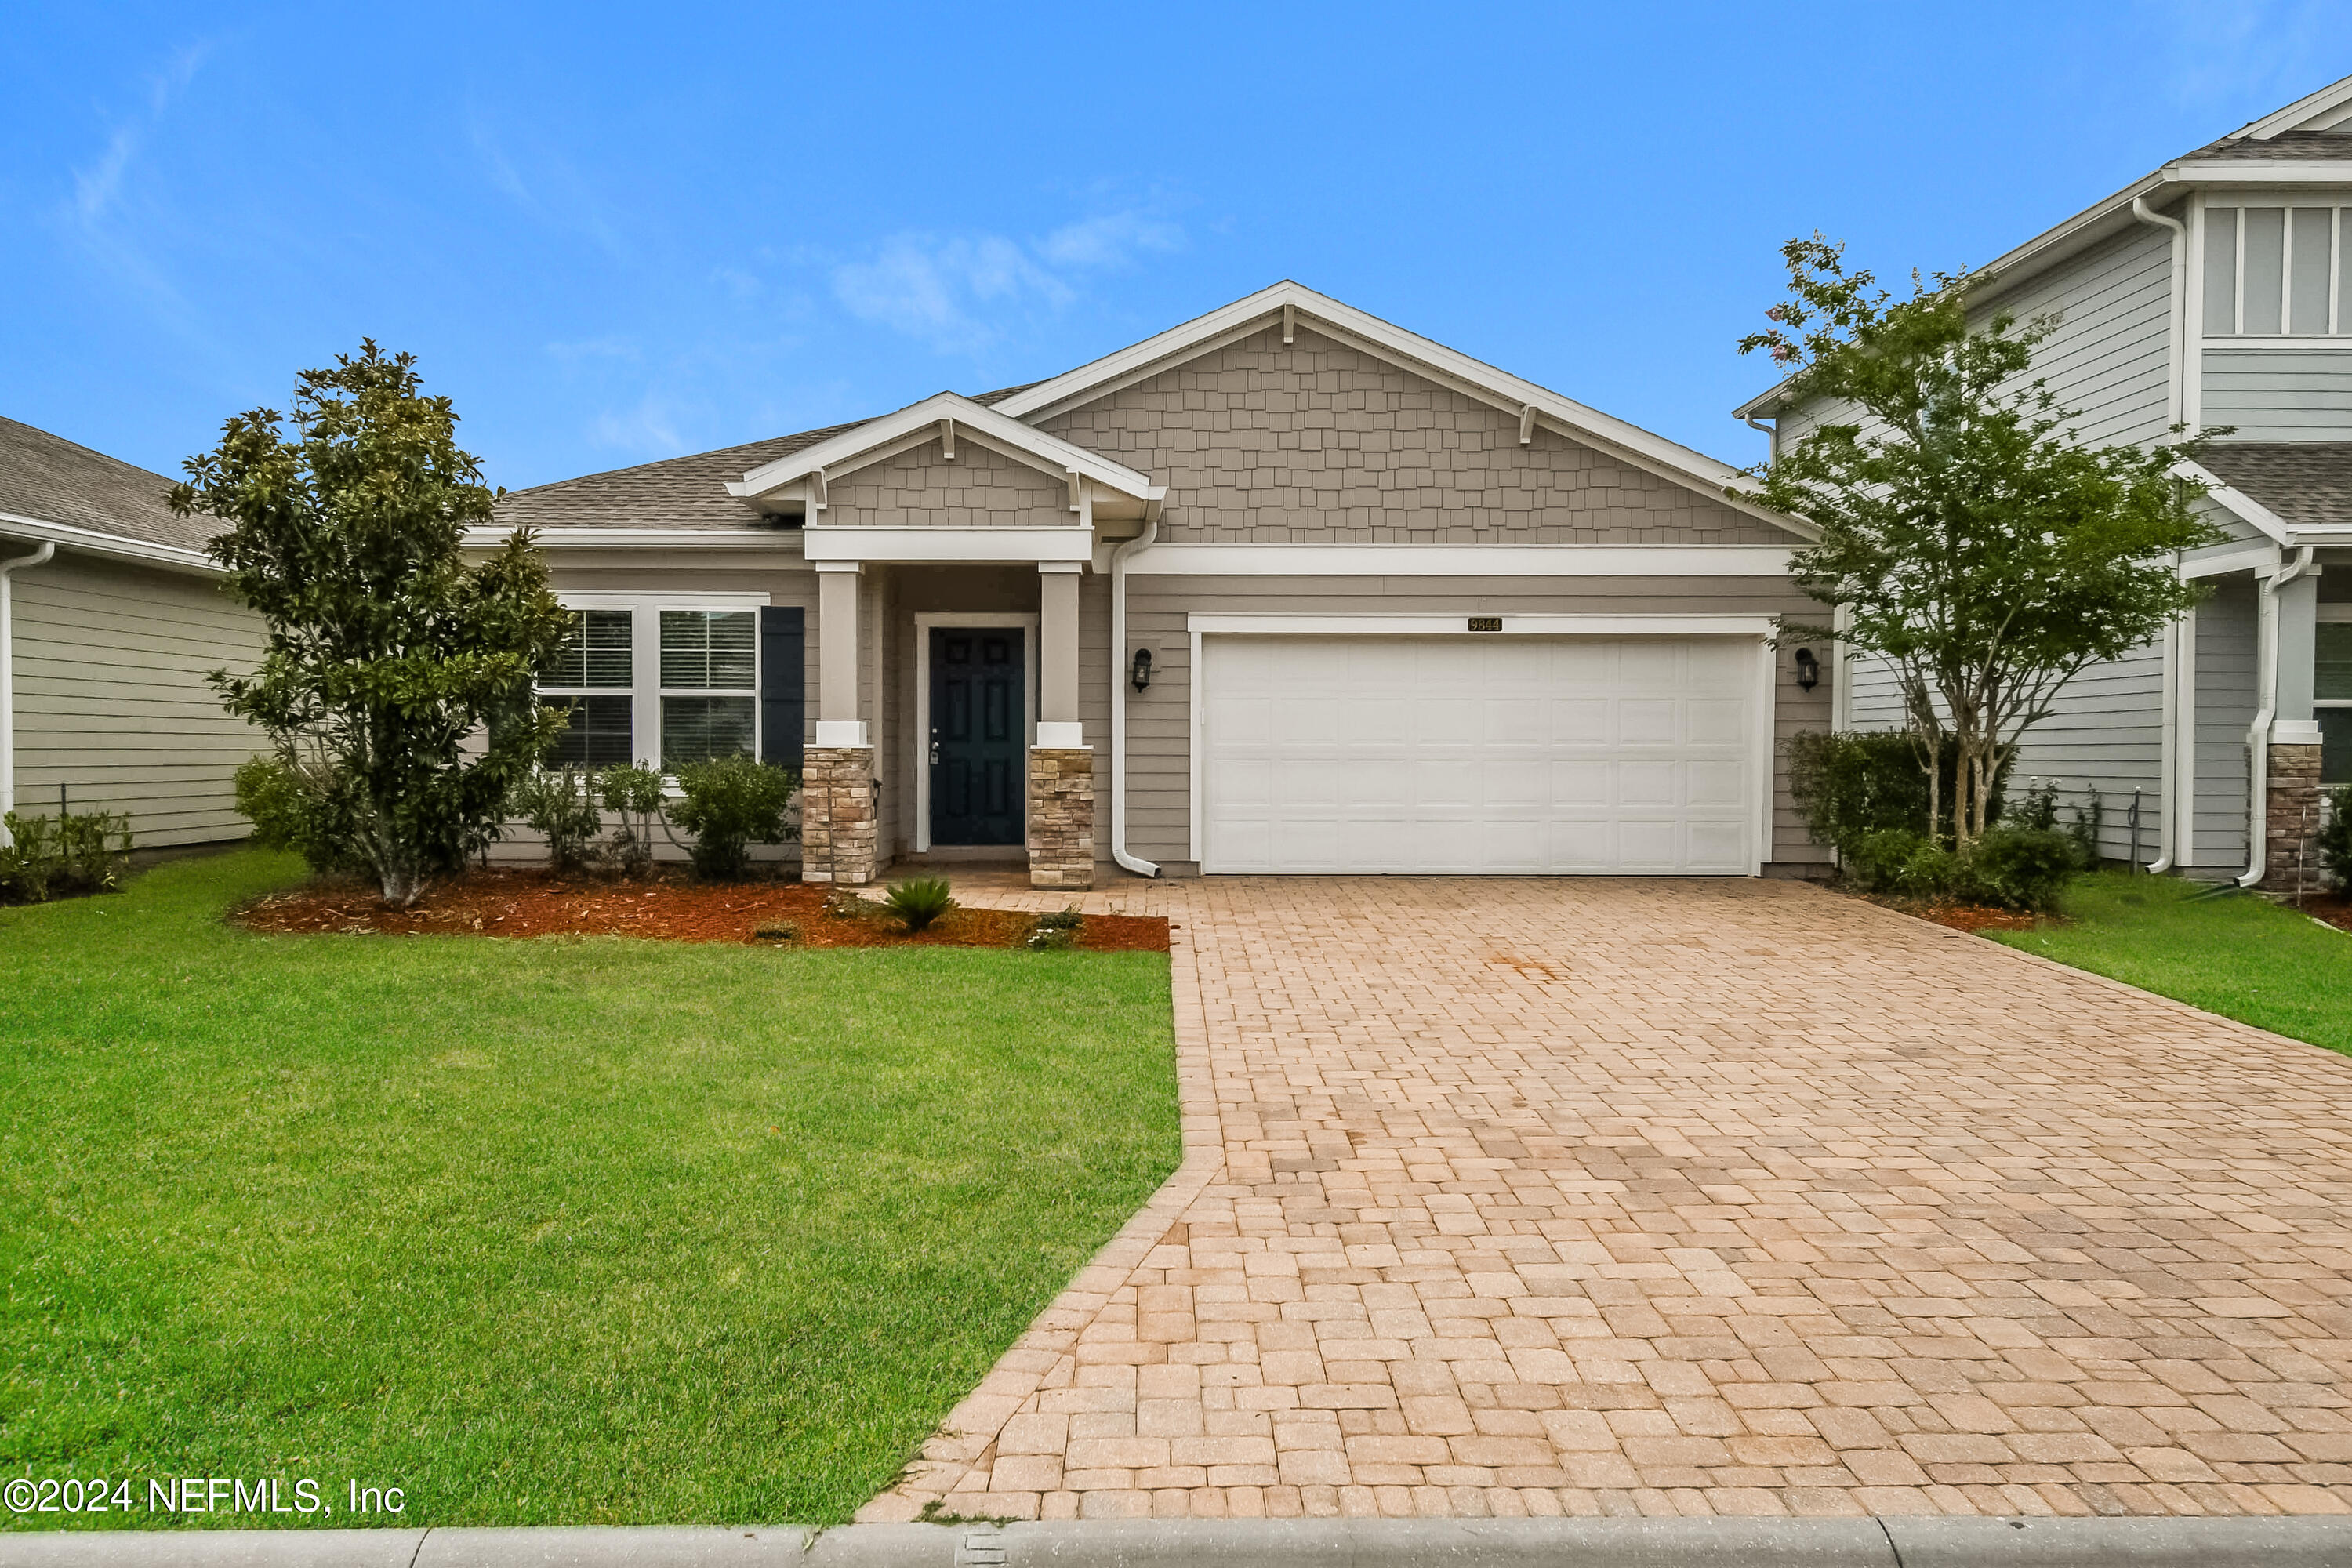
[[1285, 589], [110, 617]]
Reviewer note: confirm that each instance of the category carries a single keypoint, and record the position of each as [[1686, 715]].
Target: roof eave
[[1046, 450], [112, 546]]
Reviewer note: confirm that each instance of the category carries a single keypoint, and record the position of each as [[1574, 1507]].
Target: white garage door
[[1478, 754]]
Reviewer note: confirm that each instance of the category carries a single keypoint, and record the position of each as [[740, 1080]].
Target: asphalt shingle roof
[[675, 492], [2308, 483], [2288, 146], [53, 480]]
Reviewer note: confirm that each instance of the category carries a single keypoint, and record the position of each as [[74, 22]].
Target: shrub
[[561, 802], [2336, 839], [1851, 783], [634, 793], [1056, 931], [776, 931], [729, 804], [920, 900], [2019, 868], [2084, 830], [1878, 859], [69, 853], [292, 806]]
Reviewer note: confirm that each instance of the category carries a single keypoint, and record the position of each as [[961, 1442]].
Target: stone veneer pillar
[[2291, 819], [837, 808], [1062, 817]]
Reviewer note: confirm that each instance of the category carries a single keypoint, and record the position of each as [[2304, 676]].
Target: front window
[[591, 677], [710, 684], [2331, 690], [2283, 271]]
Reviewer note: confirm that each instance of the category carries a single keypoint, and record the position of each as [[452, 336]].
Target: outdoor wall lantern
[[1809, 669], [1141, 671]]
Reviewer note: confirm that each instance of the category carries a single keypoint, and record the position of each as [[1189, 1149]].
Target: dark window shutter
[[783, 690]]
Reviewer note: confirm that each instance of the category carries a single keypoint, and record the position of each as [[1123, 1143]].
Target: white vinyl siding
[[1406, 755]]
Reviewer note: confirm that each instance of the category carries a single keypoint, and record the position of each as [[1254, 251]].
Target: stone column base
[[1062, 817], [2291, 817], [838, 815]]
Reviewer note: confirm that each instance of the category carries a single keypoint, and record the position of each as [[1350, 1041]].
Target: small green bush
[[562, 803], [920, 900], [1054, 931], [2336, 839], [634, 793], [2019, 868], [297, 808], [70, 852], [1851, 783], [1879, 859], [728, 805]]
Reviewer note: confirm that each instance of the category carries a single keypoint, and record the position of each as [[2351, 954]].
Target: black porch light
[[1140, 670], [1809, 669]]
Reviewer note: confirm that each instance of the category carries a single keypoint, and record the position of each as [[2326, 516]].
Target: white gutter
[[2174, 371], [1118, 657], [2258, 734], [9, 568], [2167, 751]]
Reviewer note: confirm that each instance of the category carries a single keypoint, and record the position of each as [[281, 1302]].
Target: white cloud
[[961, 294], [650, 429]]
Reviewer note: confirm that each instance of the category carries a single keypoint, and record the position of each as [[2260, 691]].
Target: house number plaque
[[1485, 623]]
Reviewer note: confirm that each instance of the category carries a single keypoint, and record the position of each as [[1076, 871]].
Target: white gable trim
[[2315, 112], [918, 423], [1290, 303], [113, 546], [2234, 501]]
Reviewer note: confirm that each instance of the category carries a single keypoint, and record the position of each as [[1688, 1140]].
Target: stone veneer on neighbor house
[[2292, 813], [1061, 818]]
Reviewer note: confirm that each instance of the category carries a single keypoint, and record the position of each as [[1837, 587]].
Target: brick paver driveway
[[1646, 1196]]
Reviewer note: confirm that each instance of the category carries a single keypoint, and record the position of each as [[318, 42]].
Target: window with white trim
[[710, 684], [2278, 271], [2331, 691], [592, 678]]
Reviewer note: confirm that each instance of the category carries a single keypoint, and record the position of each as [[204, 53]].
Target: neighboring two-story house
[[2216, 292]]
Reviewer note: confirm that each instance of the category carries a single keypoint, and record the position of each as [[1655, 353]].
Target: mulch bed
[[2331, 909], [1959, 916], [513, 903]]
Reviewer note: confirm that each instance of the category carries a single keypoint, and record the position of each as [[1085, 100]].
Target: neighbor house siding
[[2107, 353], [112, 704], [1318, 441], [2276, 394], [2225, 710], [1158, 782]]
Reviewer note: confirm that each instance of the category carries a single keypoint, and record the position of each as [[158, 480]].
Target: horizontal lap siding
[[112, 700], [2106, 357], [1160, 722], [2280, 394], [2105, 735], [2225, 710]]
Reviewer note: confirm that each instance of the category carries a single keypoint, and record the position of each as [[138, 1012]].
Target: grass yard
[[559, 1231], [2236, 954]]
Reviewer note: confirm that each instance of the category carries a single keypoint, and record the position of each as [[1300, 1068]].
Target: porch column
[[837, 799], [1061, 765], [2291, 813]]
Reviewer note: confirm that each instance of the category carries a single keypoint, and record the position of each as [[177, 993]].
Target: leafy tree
[[1972, 541], [395, 678]]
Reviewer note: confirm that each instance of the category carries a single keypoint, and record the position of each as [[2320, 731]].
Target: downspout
[[2258, 734], [2168, 748], [8, 681], [1136, 864]]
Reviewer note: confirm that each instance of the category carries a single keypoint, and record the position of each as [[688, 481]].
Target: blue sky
[[617, 234]]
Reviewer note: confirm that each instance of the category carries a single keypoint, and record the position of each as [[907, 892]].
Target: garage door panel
[[1503, 755]]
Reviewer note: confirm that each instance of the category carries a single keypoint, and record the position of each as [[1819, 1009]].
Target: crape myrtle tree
[[1969, 539], [395, 682]]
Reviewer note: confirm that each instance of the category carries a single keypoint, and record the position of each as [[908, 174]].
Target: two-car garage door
[[1471, 754]]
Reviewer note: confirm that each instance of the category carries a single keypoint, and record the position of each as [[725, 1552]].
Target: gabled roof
[[2309, 139], [858, 444], [56, 489], [1294, 302]]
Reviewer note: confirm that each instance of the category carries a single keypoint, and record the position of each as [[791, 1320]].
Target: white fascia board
[[1212, 623], [1050, 452], [2234, 501], [2222, 559], [1460, 561], [580, 600], [745, 537], [1654, 453], [854, 542], [2312, 108], [2283, 172], [113, 546]]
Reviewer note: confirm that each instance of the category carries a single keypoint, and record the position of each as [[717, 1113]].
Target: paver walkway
[[1685, 1197]]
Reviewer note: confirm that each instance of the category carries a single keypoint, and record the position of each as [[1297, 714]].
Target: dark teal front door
[[977, 734]]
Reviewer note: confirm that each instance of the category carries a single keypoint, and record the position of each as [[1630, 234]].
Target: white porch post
[[1058, 653], [837, 720]]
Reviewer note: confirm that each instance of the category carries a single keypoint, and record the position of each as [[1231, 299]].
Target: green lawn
[[559, 1231], [2235, 954]]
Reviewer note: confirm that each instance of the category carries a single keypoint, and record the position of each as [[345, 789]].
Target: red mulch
[[1959, 916], [2333, 908], [538, 903]]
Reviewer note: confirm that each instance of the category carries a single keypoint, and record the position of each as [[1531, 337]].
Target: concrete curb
[[2304, 1542]]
